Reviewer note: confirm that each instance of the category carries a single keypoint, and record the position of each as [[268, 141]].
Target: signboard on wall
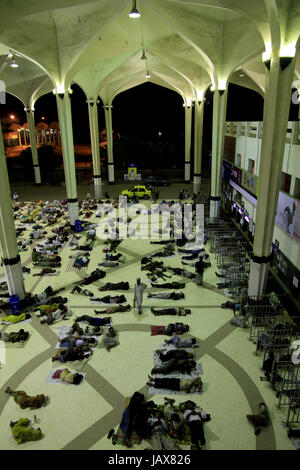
[[249, 182], [286, 212], [236, 175]]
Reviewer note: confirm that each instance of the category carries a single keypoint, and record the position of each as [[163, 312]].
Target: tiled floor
[[80, 417]]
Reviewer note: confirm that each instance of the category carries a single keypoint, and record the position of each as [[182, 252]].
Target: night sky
[[144, 111]]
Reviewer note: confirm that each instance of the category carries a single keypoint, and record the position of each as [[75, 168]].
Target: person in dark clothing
[[174, 354], [94, 321], [94, 276], [259, 420], [108, 299], [199, 269], [170, 285], [115, 286], [183, 365], [182, 312]]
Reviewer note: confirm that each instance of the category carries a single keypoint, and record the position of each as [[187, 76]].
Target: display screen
[[234, 204], [247, 219], [240, 211]]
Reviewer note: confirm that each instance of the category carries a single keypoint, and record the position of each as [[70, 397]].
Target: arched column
[[94, 132], [276, 112], [219, 117], [198, 134], [109, 137], [188, 139], [67, 143], [8, 240], [34, 152]]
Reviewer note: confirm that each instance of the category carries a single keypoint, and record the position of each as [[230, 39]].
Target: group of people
[[165, 426]]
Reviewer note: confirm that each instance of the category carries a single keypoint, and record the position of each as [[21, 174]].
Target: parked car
[[156, 181], [139, 191]]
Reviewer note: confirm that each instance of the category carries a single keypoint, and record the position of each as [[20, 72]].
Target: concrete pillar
[[94, 132], [188, 139], [218, 132], [34, 152], [276, 112], [198, 134], [8, 240], [109, 136], [67, 143]]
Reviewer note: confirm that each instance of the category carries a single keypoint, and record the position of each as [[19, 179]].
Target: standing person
[[153, 191], [139, 288], [199, 268]]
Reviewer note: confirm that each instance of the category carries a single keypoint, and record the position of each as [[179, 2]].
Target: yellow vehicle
[[139, 191]]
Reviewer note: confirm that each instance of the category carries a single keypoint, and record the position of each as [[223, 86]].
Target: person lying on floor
[[48, 271], [182, 342], [78, 290], [67, 376], [76, 330], [195, 417], [158, 431], [26, 401], [191, 250], [166, 295], [14, 337], [72, 354], [169, 250], [147, 260], [38, 257], [185, 366], [182, 272], [259, 420], [115, 286], [233, 283], [195, 256], [94, 321], [181, 311], [114, 309], [71, 341], [16, 318], [134, 418], [109, 339], [171, 329], [62, 313], [114, 257], [170, 285], [23, 432], [108, 299], [179, 385], [94, 276], [174, 354]]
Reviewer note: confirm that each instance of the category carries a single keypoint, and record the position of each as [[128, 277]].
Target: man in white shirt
[[195, 418]]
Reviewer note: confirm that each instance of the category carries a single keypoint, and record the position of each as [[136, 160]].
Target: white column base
[[258, 278], [111, 173], [15, 280], [214, 209], [187, 172], [37, 175], [97, 188], [73, 212], [197, 184]]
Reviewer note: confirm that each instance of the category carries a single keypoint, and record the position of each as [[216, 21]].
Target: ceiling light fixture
[[144, 55], [147, 74], [14, 63], [134, 11]]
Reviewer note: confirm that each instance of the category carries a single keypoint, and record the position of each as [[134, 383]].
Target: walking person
[[139, 288]]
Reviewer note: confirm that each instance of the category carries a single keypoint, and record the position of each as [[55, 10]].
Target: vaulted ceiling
[[189, 45]]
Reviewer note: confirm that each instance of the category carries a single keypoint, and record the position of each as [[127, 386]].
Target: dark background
[[140, 113]]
